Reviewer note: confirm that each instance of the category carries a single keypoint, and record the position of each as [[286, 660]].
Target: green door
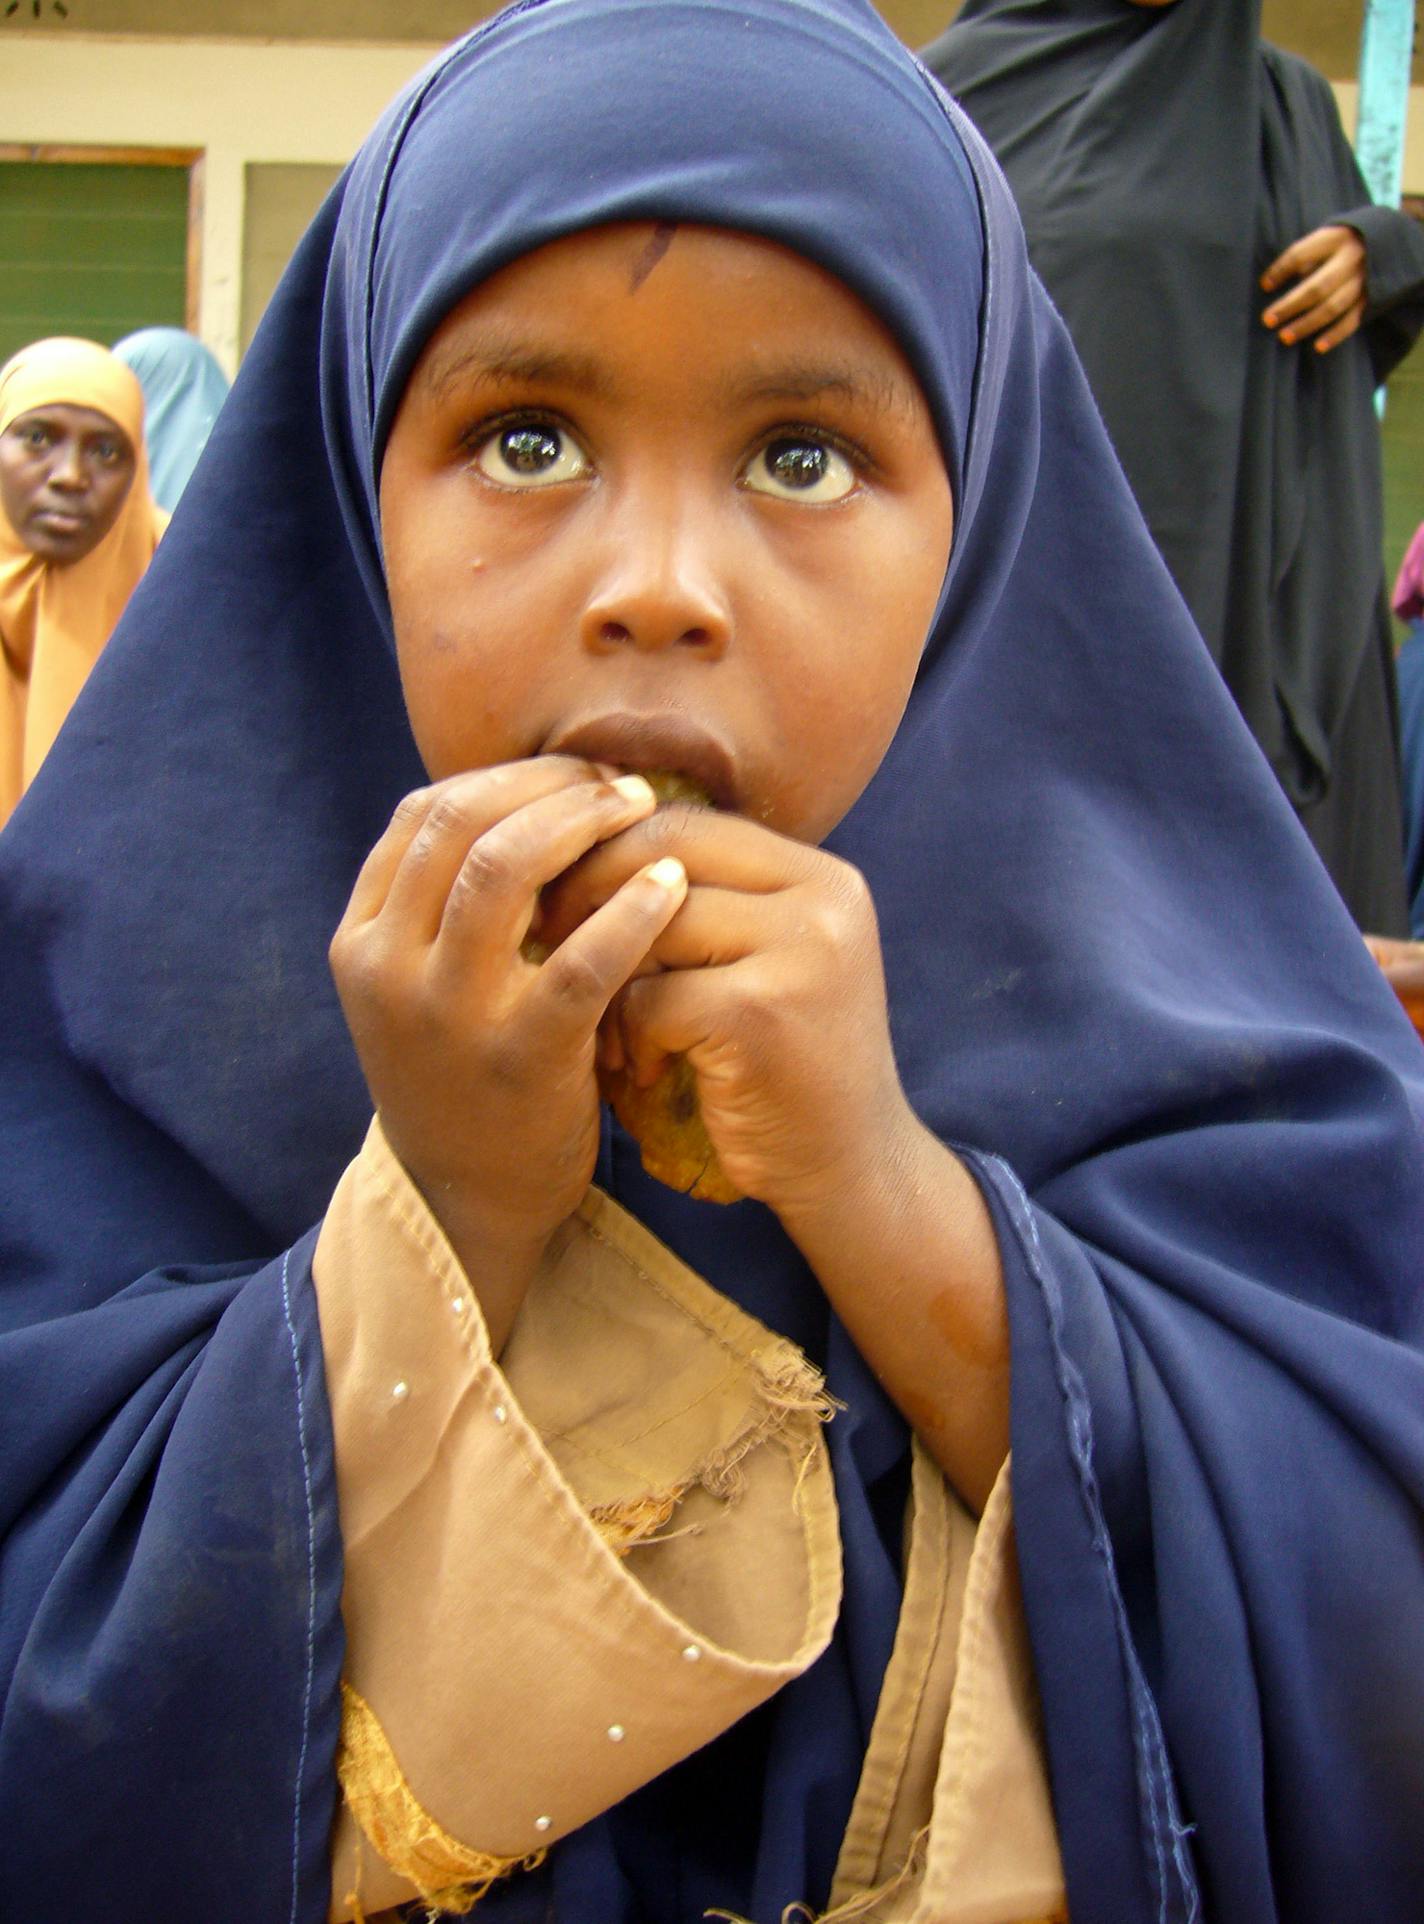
[[90, 248]]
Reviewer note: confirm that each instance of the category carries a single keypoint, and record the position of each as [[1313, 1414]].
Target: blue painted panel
[[1384, 96]]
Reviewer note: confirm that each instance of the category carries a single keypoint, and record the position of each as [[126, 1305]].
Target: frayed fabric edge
[[449, 1876], [795, 1403], [865, 1904]]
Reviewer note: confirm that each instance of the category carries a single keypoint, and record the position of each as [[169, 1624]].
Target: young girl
[[665, 389]]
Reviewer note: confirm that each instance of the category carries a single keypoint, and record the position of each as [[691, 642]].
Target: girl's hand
[[769, 981], [479, 1060], [1328, 300]]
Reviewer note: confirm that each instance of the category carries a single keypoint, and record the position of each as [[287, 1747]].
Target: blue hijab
[[1119, 982], [183, 388]]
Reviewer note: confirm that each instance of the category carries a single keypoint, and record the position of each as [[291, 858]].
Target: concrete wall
[[280, 199], [240, 103], [1324, 32], [298, 108]]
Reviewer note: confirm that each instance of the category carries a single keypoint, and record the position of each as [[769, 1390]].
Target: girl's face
[[64, 473], [669, 498]]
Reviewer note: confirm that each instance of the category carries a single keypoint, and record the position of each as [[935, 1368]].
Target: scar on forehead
[[659, 242]]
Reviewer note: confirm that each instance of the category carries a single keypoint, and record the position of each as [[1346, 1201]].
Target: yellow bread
[[664, 1119], [666, 1123]]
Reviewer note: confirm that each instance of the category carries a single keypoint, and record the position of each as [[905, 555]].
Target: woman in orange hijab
[[78, 528]]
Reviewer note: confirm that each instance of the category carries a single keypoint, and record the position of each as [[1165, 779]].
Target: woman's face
[[670, 498], [64, 473]]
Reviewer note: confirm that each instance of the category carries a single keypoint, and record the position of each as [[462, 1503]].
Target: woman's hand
[[1328, 300], [481, 1061]]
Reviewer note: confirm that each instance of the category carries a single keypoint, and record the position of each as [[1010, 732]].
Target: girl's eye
[[798, 468], [531, 454]]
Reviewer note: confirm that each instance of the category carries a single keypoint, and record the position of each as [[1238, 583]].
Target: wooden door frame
[[67, 152]]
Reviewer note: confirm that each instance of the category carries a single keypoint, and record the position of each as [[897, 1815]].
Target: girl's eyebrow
[[504, 358], [499, 357], [880, 390]]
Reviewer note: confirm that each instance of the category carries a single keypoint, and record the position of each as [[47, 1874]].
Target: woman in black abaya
[[1168, 166]]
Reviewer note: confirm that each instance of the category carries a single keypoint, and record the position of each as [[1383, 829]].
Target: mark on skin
[[923, 1416], [658, 244], [945, 1315]]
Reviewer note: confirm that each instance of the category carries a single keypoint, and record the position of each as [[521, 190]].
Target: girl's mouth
[[691, 764]]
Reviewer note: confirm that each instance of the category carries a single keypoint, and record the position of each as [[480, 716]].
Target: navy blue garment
[[1118, 978]]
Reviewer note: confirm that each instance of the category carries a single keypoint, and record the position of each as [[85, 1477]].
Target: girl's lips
[[644, 744]]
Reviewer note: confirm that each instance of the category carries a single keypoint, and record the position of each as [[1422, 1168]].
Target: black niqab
[[1162, 159]]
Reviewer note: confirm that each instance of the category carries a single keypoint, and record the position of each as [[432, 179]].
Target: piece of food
[[669, 786], [666, 1123], [664, 1119]]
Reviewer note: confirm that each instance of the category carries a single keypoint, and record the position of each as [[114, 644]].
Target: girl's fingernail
[[1287, 336], [668, 873], [633, 788]]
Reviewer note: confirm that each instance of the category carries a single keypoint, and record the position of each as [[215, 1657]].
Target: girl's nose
[[661, 587]]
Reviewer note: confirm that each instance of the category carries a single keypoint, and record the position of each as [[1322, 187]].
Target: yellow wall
[[279, 201], [246, 103], [240, 103]]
